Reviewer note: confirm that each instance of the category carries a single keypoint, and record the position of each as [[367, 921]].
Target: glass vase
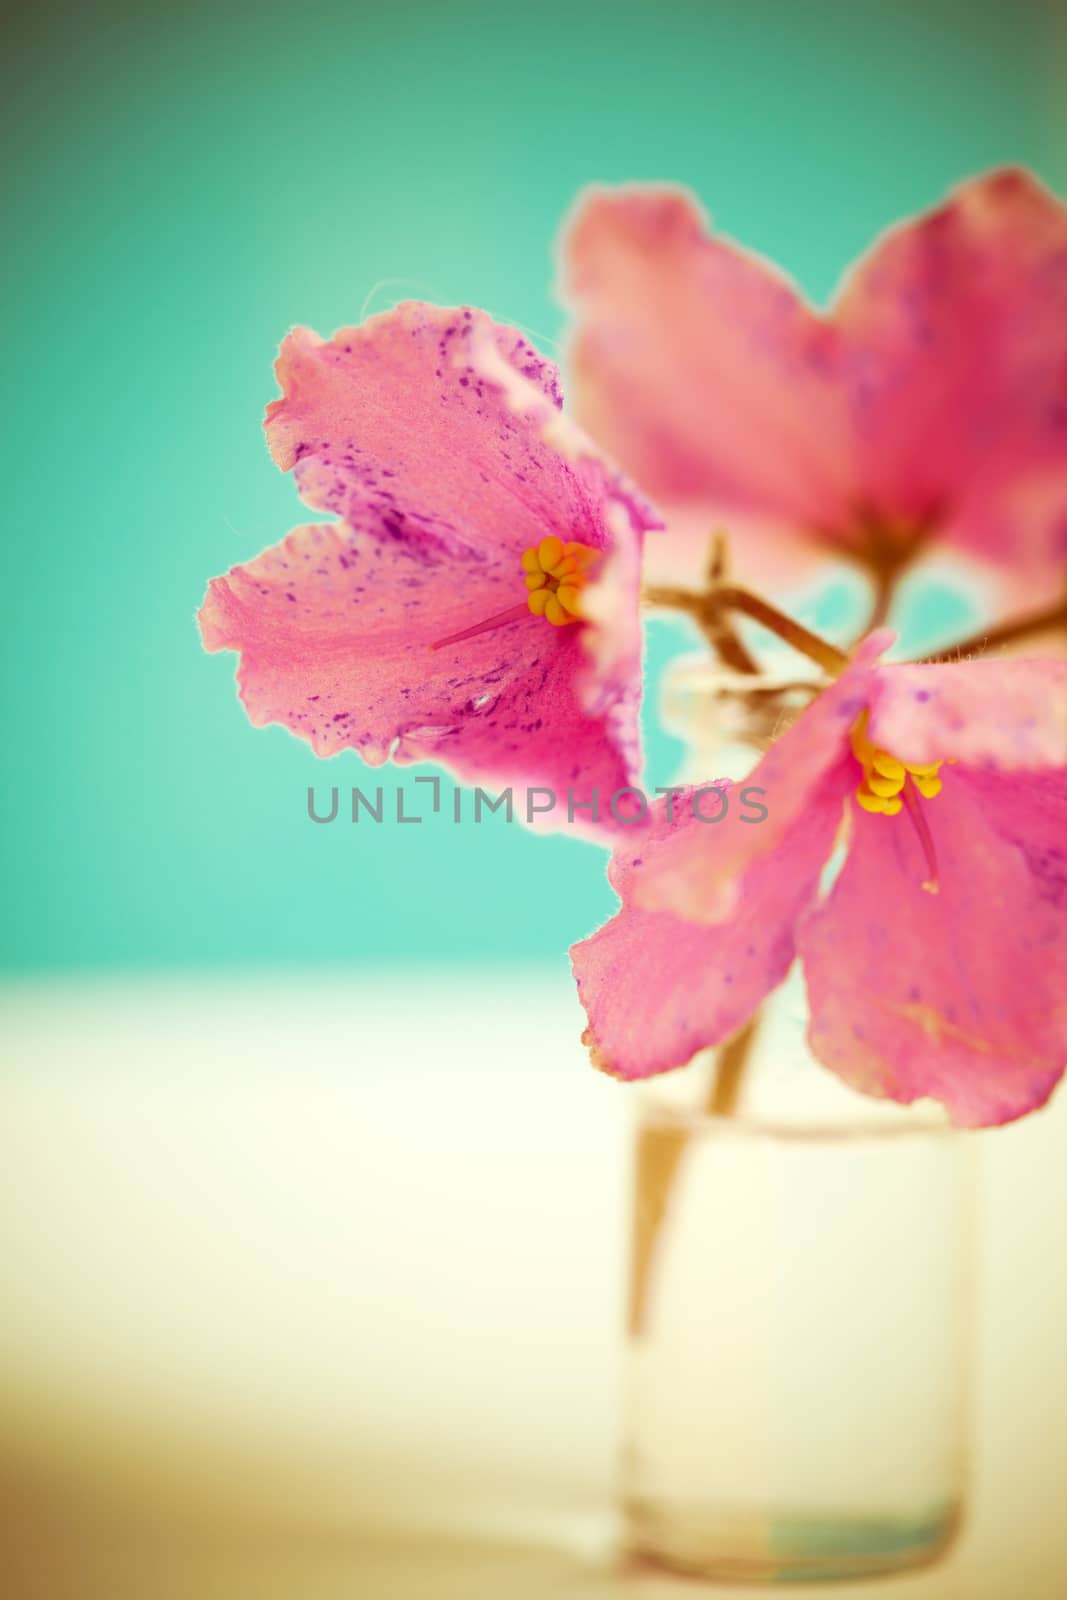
[[801, 1296], [799, 1344]]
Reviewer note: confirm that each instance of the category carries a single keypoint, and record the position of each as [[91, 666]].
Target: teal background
[[183, 186]]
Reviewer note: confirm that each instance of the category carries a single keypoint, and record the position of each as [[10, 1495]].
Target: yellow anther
[[888, 806], [888, 766], [549, 551], [884, 782], [555, 574]]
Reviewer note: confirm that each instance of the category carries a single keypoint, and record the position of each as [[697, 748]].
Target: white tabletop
[[312, 1287]]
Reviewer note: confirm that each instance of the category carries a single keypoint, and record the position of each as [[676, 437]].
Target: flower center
[[882, 787], [556, 573], [888, 785]]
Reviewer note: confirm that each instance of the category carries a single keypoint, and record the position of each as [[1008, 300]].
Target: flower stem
[[1007, 632], [730, 1067], [718, 628], [656, 1159], [708, 610], [730, 648], [711, 618], [884, 581], [660, 1149], [821, 651]]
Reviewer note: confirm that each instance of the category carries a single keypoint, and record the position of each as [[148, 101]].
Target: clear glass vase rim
[[862, 1128]]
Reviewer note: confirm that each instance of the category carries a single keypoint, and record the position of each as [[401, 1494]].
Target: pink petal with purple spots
[[1009, 715], [657, 987], [961, 995], [444, 476], [698, 871]]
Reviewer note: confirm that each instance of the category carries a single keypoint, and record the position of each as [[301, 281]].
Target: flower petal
[[346, 663], [699, 366], [399, 411], [1030, 814], [930, 399], [955, 326], [698, 871], [437, 433], [1005, 714], [958, 995], [658, 987], [764, 552]]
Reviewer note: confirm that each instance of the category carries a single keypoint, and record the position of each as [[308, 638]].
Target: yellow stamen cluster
[[555, 576], [881, 788]]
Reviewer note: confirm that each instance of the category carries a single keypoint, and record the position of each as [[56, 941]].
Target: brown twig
[[710, 617], [660, 1148], [884, 581], [1009, 632], [710, 611], [659, 1155], [819, 650], [729, 1071]]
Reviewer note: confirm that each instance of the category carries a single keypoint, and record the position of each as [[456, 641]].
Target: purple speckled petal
[[399, 412], [657, 987], [959, 995], [1004, 714], [1031, 815], [698, 871], [437, 437]]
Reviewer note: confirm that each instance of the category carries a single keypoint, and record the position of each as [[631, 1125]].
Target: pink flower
[[929, 402], [429, 623], [936, 964]]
